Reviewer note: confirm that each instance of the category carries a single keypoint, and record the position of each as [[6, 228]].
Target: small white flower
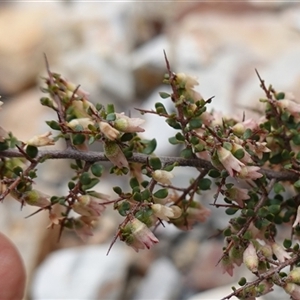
[[162, 176]]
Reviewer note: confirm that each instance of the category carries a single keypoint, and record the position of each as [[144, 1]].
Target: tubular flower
[[110, 132], [246, 158], [164, 212], [83, 122], [293, 290], [114, 153], [292, 107], [238, 195], [137, 235], [126, 124], [82, 226], [250, 258], [227, 265], [229, 162], [80, 108], [36, 198], [297, 219], [162, 176], [240, 128], [88, 206], [279, 252], [195, 213], [41, 140], [259, 148], [250, 172], [294, 276]]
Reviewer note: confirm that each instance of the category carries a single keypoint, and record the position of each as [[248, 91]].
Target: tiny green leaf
[[85, 178], [204, 184], [155, 163], [97, 170], [161, 194], [164, 95], [32, 151], [117, 190], [53, 125], [151, 146], [134, 183], [78, 139]]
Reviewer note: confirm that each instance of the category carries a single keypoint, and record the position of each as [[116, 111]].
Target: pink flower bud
[[294, 276], [238, 195], [88, 206], [250, 258], [36, 198], [110, 132], [126, 124], [114, 153], [227, 265], [293, 290], [137, 235], [250, 172], [164, 212], [41, 140], [83, 122], [279, 252], [230, 163], [162, 176], [292, 107]]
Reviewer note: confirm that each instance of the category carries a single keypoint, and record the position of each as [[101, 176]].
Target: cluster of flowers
[[233, 153]]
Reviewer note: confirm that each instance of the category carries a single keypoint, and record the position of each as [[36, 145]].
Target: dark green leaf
[[150, 147], [161, 194], [90, 185], [195, 123], [287, 243], [155, 163], [53, 125], [186, 153], [137, 197], [242, 281], [173, 123], [296, 139], [117, 190], [274, 209], [78, 139], [32, 151], [134, 183], [164, 95], [18, 170], [278, 188], [231, 211], [214, 173], [145, 194], [110, 109], [247, 134], [297, 184], [71, 185], [239, 154], [97, 170], [85, 178], [204, 184], [124, 208], [111, 117]]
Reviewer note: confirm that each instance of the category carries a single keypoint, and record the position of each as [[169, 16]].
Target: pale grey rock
[[81, 273], [163, 281]]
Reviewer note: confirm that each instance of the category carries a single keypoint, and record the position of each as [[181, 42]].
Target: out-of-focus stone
[[82, 273], [163, 281], [23, 40]]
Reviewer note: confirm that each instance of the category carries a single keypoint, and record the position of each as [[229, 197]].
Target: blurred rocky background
[[115, 51]]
